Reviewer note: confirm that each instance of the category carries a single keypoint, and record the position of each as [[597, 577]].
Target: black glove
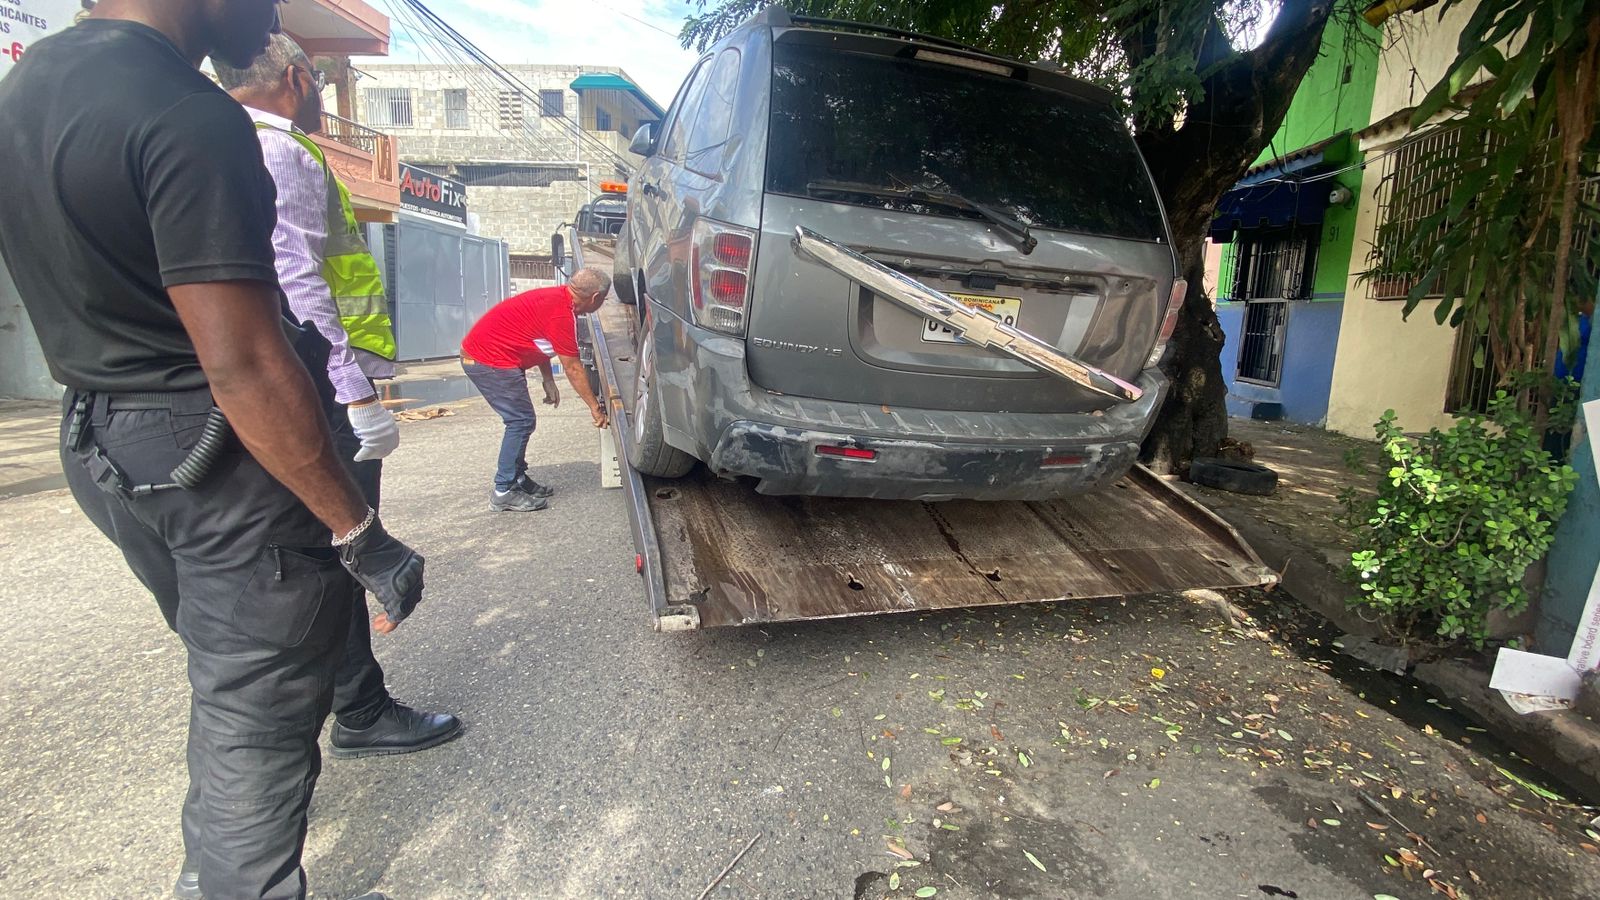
[[389, 569]]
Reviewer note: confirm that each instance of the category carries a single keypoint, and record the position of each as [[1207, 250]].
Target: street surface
[[1082, 750]]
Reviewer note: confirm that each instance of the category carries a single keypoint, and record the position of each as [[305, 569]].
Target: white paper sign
[[1521, 672], [24, 21]]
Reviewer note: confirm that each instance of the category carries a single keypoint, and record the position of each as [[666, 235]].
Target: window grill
[[1474, 377], [511, 109], [1270, 268], [552, 103], [1414, 184], [455, 108], [388, 107]]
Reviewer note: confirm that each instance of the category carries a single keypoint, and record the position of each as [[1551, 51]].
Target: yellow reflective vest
[[348, 267]]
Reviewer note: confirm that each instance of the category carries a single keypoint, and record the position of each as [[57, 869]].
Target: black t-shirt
[[130, 172]]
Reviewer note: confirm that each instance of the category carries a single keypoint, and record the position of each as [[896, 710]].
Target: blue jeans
[[507, 393]]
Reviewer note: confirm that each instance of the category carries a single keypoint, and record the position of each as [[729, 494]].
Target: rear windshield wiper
[[1017, 228]]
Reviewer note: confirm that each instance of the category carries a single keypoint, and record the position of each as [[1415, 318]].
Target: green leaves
[[1457, 519]]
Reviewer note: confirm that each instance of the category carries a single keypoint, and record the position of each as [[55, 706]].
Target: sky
[[640, 36]]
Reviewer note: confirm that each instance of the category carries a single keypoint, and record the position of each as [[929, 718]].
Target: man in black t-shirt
[[139, 235]]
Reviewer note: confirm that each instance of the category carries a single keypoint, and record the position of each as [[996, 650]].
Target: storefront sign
[[434, 196], [24, 21]]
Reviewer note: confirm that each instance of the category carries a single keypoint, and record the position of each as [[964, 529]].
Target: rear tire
[[1233, 475], [649, 451], [622, 284]]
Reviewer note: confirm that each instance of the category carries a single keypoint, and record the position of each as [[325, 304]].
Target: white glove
[[377, 429]]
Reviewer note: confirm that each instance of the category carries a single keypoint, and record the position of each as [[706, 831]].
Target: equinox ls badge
[[795, 348]]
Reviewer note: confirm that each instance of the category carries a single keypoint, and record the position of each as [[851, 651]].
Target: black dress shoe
[[399, 729]]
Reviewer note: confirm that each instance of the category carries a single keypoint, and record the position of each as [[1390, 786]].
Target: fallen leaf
[[1384, 897], [1482, 819], [1377, 826], [1590, 848], [886, 763], [1158, 673], [879, 717], [950, 741], [898, 848], [894, 881], [905, 792], [1035, 860], [927, 891], [1023, 758], [1285, 735], [948, 827], [1332, 822], [945, 806], [1153, 783], [837, 712], [995, 733]]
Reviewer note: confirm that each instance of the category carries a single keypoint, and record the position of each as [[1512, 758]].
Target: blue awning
[[607, 81], [1275, 194]]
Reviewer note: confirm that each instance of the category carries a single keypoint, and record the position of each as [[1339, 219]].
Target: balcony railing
[[356, 136], [364, 160]]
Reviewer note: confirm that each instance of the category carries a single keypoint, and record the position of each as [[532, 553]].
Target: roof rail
[[843, 25]]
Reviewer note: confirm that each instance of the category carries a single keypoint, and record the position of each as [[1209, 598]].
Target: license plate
[[1006, 309]]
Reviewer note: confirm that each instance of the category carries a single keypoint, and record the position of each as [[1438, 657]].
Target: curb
[[1566, 742]]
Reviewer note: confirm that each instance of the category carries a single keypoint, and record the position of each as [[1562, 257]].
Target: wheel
[[1233, 475], [650, 453], [622, 284]]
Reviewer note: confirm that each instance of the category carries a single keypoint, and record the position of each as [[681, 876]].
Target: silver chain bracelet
[[357, 531]]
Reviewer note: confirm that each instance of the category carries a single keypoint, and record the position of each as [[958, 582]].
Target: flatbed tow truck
[[712, 552]]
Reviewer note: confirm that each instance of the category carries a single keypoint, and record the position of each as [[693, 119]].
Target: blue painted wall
[[1576, 553], [1310, 341]]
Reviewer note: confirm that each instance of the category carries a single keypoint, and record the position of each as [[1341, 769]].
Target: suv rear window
[[1050, 159]]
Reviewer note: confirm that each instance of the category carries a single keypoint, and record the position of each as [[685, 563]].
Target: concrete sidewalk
[[1299, 531]]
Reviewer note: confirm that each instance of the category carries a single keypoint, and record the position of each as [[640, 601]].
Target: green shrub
[[1458, 518]]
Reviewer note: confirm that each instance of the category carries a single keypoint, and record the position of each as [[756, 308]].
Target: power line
[[433, 20]]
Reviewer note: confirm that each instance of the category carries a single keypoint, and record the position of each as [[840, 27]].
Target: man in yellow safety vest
[[332, 281]]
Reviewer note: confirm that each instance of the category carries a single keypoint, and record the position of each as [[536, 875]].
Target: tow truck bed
[[713, 552]]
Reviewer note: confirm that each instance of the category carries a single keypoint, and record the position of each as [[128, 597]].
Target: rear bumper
[[739, 429]]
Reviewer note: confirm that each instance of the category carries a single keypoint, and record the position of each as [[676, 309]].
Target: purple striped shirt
[[302, 230]]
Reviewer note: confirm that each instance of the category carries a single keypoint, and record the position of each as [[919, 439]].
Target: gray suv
[[868, 263]]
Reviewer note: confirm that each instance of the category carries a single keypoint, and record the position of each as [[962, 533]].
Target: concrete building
[[530, 151], [1287, 235]]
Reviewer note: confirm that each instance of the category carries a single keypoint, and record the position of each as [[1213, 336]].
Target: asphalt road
[[1139, 749]]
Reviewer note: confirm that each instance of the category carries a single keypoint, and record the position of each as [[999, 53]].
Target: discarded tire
[[1233, 475]]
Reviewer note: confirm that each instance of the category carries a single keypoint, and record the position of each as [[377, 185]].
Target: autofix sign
[[434, 196]]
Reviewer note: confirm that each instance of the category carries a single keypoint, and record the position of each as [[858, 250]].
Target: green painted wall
[[1335, 96]]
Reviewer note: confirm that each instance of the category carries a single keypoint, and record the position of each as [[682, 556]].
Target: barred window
[[388, 107], [511, 110], [455, 108], [552, 103], [1414, 184]]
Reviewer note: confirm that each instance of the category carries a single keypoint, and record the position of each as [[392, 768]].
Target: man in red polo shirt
[[497, 354]]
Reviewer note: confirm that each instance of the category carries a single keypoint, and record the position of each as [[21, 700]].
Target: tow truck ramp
[[712, 552]]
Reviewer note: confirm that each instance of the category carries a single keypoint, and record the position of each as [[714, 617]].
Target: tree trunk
[[1243, 104], [1194, 419]]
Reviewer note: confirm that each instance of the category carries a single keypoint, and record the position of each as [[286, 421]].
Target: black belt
[[90, 408]]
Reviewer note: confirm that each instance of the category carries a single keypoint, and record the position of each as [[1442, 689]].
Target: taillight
[[846, 452], [1169, 322], [719, 274], [1052, 462]]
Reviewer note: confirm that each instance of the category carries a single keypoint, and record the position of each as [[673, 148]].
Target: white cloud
[[639, 36]]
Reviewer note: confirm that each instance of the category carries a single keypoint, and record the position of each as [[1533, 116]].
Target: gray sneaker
[[529, 486], [516, 501]]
